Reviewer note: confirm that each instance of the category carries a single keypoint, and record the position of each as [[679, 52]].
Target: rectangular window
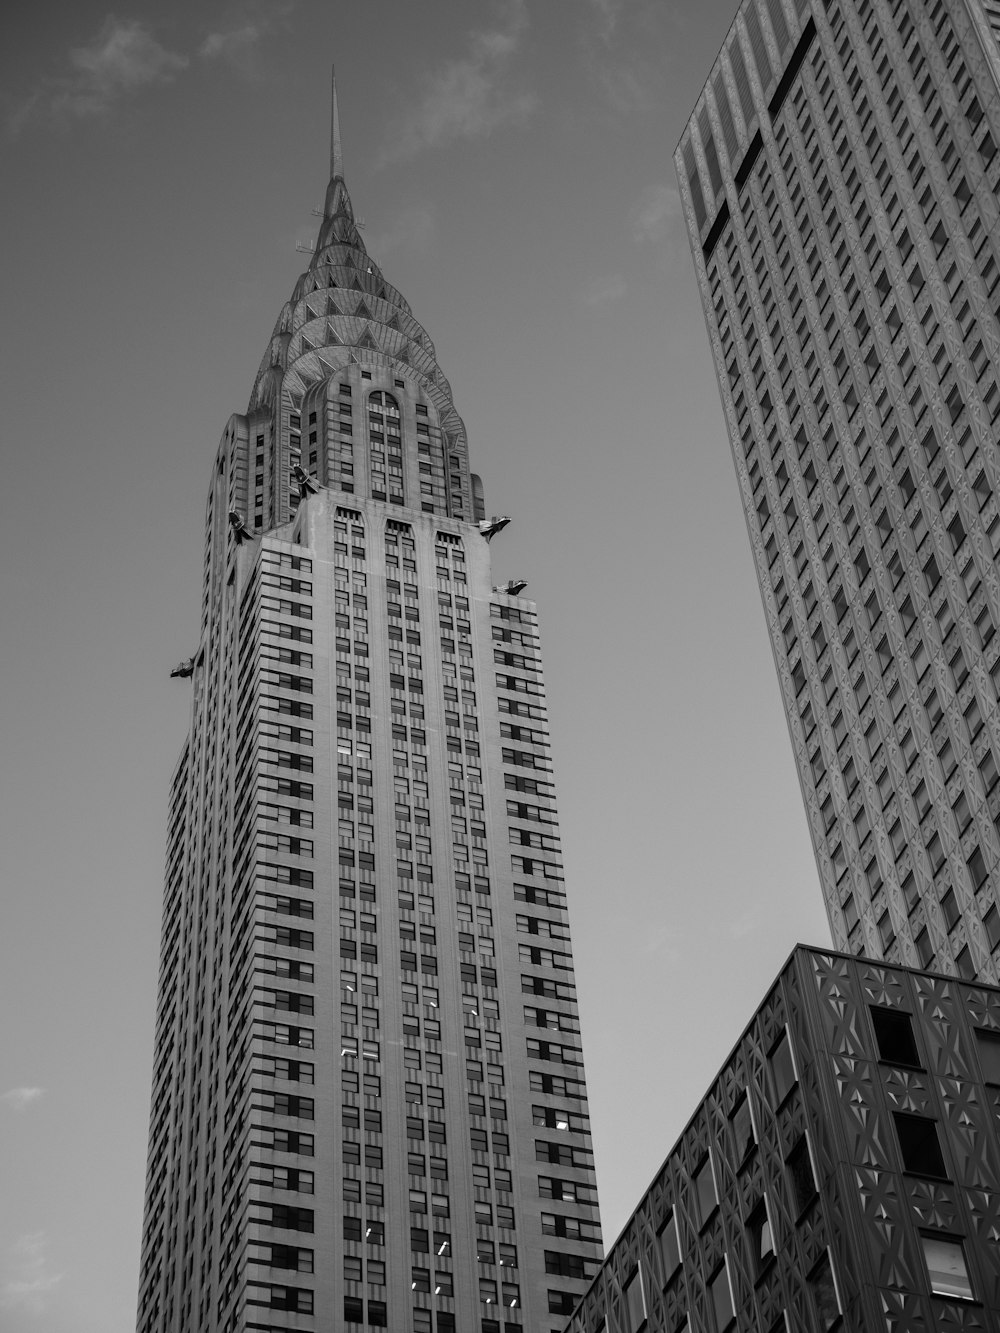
[[704, 1190], [919, 1145], [635, 1302], [782, 1068], [894, 1037], [743, 1130], [801, 1177], [761, 1236], [722, 1297], [670, 1249], [824, 1294], [946, 1267]]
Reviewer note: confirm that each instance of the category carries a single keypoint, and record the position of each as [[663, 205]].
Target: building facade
[[840, 181], [842, 1172], [368, 1099]]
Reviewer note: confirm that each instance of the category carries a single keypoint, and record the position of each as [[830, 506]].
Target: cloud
[[658, 209], [124, 57], [121, 59], [469, 97], [233, 46], [238, 44], [608, 13], [27, 1281], [411, 228], [19, 1098], [605, 290]]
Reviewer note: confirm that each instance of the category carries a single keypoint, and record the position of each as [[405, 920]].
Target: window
[[670, 1249], [919, 1145], [894, 1036], [946, 1268], [743, 1130], [801, 1177], [761, 1236], [782, 1069], [635, 1302], [824, 1294], [704, 1190], [722, 1297]]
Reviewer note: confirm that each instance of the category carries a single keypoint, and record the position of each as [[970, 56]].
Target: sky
[[513, 164]]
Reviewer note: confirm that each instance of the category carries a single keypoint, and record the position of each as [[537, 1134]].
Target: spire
[[336, 156], [338, 227]]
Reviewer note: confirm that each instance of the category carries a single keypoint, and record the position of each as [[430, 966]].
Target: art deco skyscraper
[[840, 181], [368, 1094]]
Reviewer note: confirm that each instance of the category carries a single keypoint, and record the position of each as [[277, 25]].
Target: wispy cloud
[[605, 290], [238, 44], [469, 97], [608, 13], [20, 1098], [27, 1279], [411, 228], [123, 58], [656, 212], [234, 45]]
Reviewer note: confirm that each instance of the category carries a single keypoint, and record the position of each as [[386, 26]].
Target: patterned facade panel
[[865, 1157]]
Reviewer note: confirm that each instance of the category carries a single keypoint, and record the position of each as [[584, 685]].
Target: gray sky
[[513, 163]]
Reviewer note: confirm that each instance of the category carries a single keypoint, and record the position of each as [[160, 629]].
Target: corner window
[[946, 1267]]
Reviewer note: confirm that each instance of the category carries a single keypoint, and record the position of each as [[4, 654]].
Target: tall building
[[840, 181], [841, 1173], [368, 1099]]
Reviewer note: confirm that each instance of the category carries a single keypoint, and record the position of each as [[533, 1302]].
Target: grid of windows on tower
[[849, 272], [369, 1106]]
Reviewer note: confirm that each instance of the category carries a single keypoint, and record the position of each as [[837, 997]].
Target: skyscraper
[[840, 181], [368, 1099]]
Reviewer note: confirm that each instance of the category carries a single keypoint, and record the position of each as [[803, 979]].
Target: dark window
[[782, 1070], [704, 1189], [824, 1294], [635, 1302], [743, 1132], [800, 1173], [354, 1310], [670, 1250], [894, 1035], [761, 1238], [919, 1145], [722, 1298]]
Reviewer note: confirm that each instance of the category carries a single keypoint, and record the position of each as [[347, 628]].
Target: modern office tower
[[841, 1173], [368, 1094], [840, 181]]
